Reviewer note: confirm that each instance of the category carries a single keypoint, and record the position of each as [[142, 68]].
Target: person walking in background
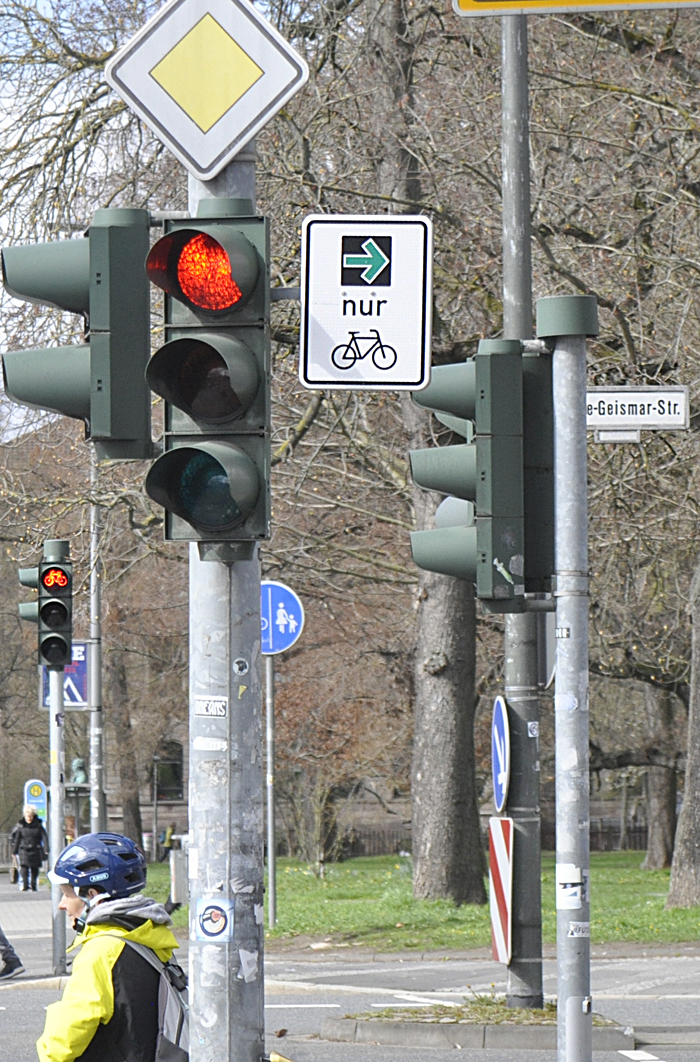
[[31, 847], [168, 842], [11, 962]]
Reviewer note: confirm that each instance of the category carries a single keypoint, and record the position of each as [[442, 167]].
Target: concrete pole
[[98, 807], [57, 813], [270, 768], [570, 319], [226, 854], [524, 986]]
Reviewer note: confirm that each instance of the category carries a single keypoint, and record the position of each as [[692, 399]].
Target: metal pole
[[524, 986], [571, 700], [226, 854], [270, 764], [154, 846], [57, 815], [569, 319], [98, 808]]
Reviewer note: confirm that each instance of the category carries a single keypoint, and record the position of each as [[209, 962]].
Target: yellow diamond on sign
[[206, 73]]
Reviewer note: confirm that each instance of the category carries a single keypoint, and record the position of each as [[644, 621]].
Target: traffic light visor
[[54, 614], [213, 271], [212, 378], [55, 650], [213, 486]]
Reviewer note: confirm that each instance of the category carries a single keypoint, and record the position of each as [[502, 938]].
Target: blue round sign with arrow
[[500, 753], [281, 617]]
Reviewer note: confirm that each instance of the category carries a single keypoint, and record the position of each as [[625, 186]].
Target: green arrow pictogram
[[373, 260]]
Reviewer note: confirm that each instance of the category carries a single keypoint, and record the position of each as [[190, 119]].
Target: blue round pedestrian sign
[[500, 753], [281, 617]]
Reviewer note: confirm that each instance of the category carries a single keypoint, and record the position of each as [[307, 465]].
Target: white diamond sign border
[[206, 154]]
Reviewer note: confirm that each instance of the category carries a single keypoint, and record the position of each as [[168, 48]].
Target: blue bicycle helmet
[[108, 862]]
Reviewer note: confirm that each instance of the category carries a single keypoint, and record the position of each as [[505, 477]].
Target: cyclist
[[109, 1009]]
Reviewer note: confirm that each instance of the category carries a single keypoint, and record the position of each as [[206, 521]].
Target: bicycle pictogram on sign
[[345, 355]]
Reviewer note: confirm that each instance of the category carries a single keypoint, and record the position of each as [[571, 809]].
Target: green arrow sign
[[372, 262]]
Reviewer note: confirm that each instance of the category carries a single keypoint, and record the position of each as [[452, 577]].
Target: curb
[[39, 982], [668, 1035], [421, 1034]]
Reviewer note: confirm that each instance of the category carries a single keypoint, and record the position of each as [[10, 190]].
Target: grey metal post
[[57, 812], [154, 844], [570, 319], [524, 986], [98, 808], [226, 853], [270, 770]]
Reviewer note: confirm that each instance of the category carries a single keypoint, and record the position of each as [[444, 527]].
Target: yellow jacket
[[88, 999]]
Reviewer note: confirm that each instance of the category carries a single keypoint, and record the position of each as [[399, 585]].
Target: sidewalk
[[26, 921]]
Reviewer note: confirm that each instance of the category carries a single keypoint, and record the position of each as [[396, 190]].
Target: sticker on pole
[[281, 617], [501, 887], [214, 919], [500, 753], [366, 302]]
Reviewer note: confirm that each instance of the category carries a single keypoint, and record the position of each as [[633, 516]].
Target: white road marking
[[639, 1056], [301, 1006]]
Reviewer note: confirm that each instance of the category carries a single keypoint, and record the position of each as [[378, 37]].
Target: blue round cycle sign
[[500, 753], [281, 617]]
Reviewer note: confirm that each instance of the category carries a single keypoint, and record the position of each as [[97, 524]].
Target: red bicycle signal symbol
[[54, 577]]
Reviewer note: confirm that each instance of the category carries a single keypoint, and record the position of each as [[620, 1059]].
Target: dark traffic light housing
[[100, 383], [496, 528], [53, 609], [213, 480]]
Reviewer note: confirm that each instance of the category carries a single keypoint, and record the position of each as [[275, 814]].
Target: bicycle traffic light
[[213, 480], [53, 609], [480, 529], [101, 382]]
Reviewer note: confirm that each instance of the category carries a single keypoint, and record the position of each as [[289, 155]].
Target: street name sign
[[206, 76], [281, 617], [75, 681], [619, 414], [366, 302], [500, 753], [544, 7]]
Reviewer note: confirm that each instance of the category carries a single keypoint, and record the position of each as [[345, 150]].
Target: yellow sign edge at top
[[471, 8]]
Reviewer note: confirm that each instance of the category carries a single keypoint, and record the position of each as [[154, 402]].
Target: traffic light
[[480, 530], [213, 480], [53, 609], [101, 382]]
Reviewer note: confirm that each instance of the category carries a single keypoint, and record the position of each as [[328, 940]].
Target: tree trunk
[[117, 711], [448, 857], [685, 870], [660, 782]]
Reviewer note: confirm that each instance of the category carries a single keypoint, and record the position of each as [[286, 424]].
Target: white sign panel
[[637, 408], [206, 75], [366, 302]]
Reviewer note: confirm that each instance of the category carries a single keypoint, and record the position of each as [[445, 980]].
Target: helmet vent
[[90, 864]]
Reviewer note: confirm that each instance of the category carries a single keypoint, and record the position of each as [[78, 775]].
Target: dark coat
[[30, 842]]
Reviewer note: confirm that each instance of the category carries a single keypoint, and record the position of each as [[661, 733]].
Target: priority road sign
[[544, 7], [281, 617], [366, 302], [501, 887], [206, 76], [75, 681], [500, 753]]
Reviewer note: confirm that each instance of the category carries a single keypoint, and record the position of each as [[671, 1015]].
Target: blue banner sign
[[75, 681]]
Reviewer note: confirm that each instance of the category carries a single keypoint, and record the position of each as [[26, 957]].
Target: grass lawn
[[368, 902]]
